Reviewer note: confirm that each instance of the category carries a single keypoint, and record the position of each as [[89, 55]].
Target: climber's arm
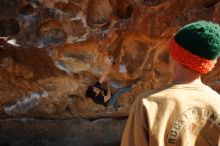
[[105, 74], [108, 96]]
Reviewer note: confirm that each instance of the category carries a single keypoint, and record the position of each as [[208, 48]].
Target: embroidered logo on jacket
[[196, 126]]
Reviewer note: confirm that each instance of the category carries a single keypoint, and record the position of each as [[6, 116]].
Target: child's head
[[197, 46], [92, 91]]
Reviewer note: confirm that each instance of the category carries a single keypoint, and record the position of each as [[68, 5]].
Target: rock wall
[[51, 50], [81, 132]]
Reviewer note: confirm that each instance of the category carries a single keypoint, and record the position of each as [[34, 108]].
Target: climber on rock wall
[[186, 113], [104, 96]]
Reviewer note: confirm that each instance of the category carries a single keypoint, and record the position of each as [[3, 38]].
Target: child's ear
[[215, 61]]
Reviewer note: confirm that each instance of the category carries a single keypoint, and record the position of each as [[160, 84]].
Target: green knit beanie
[[196, 45], [201, 38]]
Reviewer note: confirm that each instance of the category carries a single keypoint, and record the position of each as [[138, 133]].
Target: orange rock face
[[52, 50]]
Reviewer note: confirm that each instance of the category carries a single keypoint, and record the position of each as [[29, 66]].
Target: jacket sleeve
[[136, 131]]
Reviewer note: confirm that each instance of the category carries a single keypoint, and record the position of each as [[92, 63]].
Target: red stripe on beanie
[[190, 60]]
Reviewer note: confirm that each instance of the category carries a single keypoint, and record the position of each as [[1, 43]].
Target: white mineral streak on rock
[[62, 66], [13, 42], [28, 103], [78, 17], [82, 38]]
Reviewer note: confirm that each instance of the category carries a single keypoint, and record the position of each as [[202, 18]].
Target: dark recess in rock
[[8, 7], [153, 2], [124, 10], [9, 27], [209, 3], [2, 29], [27, 10], [51, 32], [14, 26]]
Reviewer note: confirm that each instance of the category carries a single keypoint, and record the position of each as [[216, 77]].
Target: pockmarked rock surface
[[52, 50]]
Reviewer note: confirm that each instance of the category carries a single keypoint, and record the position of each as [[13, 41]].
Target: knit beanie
[[196, 46]]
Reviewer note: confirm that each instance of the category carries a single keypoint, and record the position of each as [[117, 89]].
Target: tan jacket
[[180, 115]]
